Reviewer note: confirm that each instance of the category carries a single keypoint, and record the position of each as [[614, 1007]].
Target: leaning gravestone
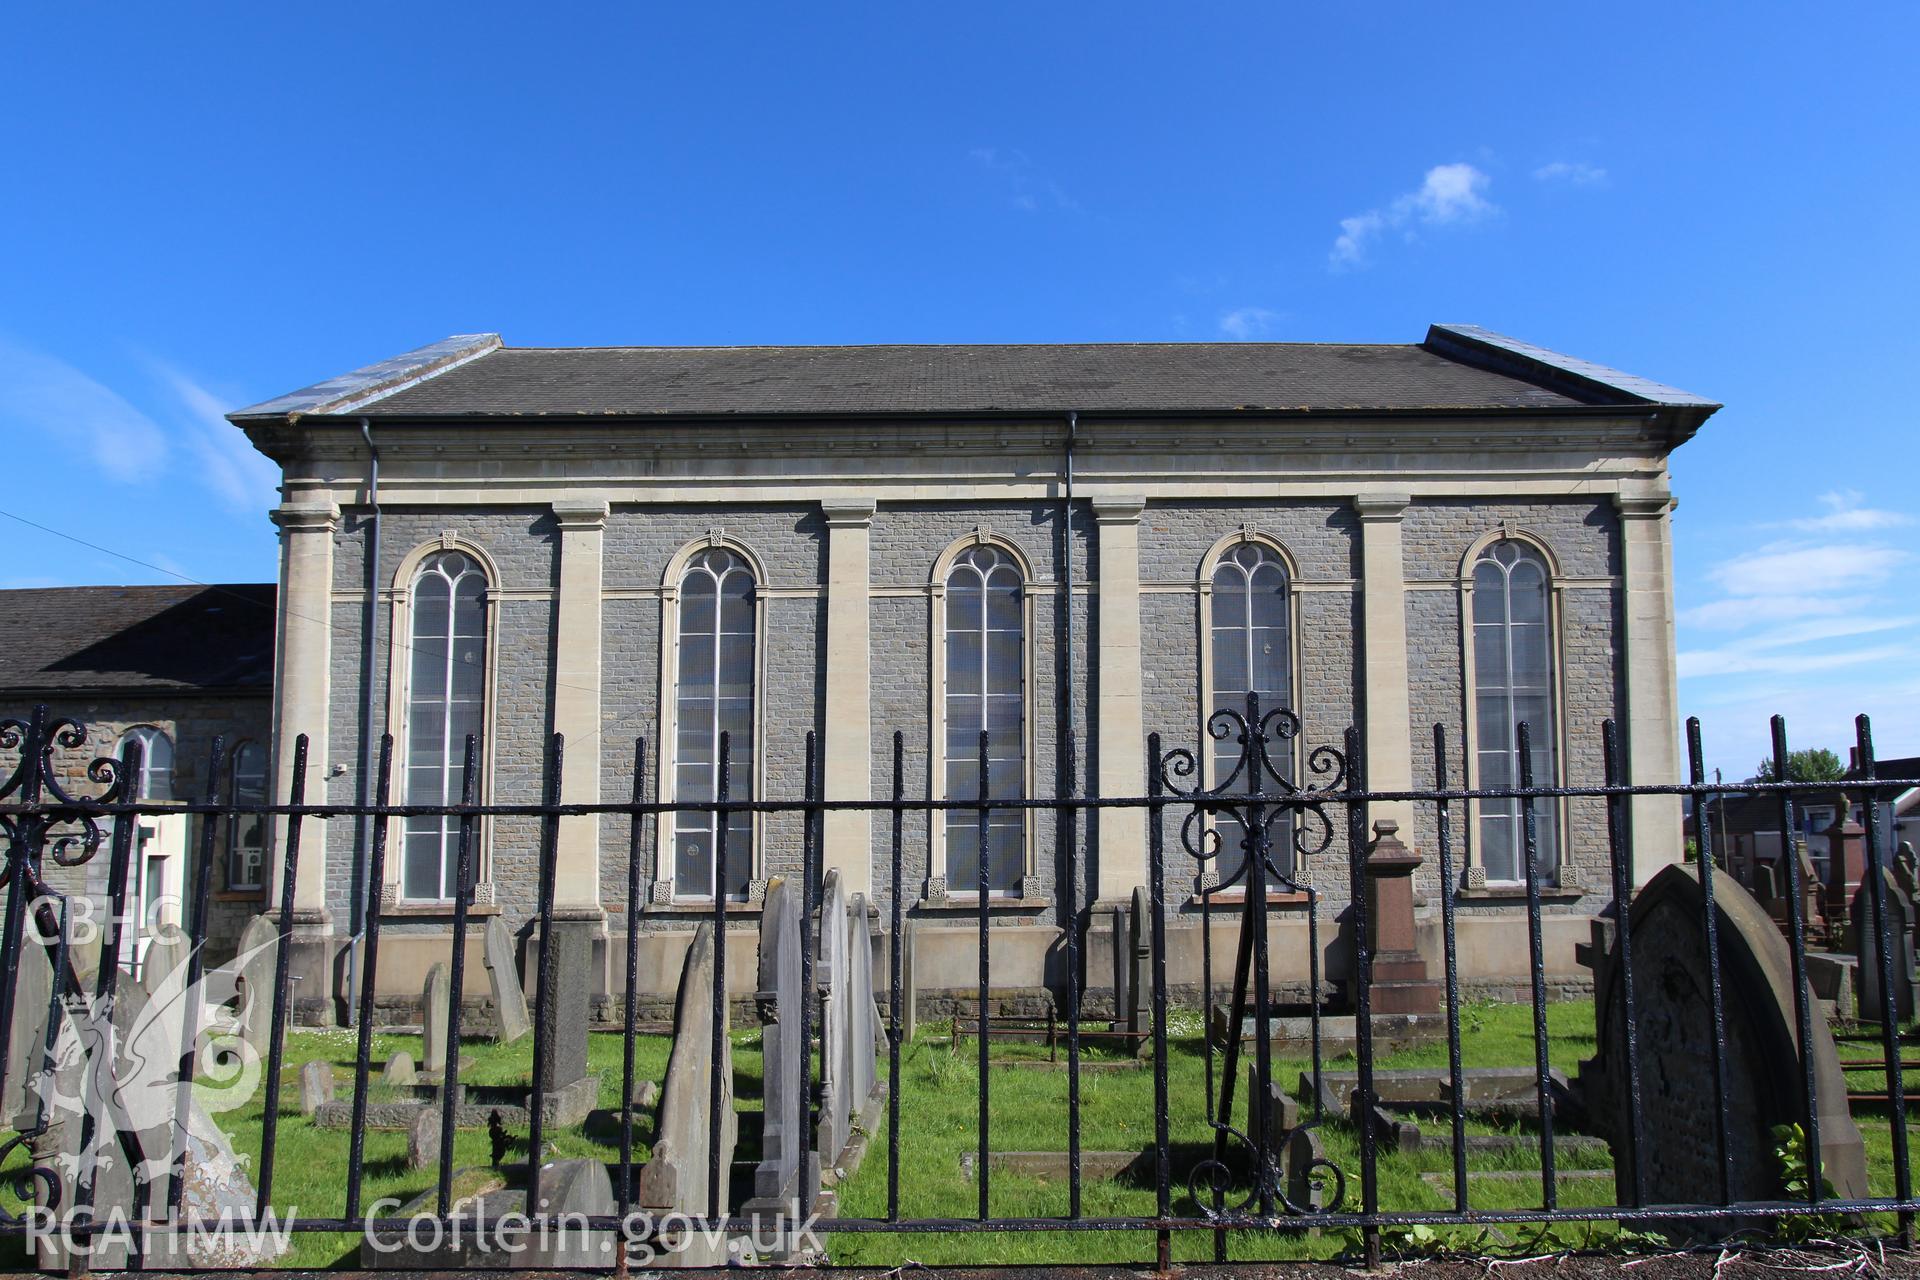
[[164, 955], [509, 999], [836, 1062], [399, 1069], [27, 1044], [863, 1021], [777, 1177], [435, 1004], [1899, 908], [675, 1180], [259, 948], [1762, 1055], [316, 1086], [910, 986], [1139, 962]]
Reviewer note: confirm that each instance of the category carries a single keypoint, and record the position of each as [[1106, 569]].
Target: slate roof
[[1458, 368], [210, 639]]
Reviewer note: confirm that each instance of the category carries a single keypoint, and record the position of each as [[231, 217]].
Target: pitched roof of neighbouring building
[[1457, 368], [138, 639]]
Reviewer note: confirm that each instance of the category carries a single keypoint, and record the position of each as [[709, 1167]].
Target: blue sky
[[206, 205]]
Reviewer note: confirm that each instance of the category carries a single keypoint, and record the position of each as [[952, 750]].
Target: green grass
[[1028, 1109]]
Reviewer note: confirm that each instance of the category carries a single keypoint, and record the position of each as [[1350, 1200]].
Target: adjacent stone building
[[174, 667], [669, 543]]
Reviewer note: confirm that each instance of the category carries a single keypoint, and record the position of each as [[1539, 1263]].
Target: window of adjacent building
[[714, 695], [1513, 681], [446, 701], [156, 765], [985, 691], [1251, 653], [247, 832]]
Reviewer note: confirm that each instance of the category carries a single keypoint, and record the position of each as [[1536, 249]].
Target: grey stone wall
[[789, 539]]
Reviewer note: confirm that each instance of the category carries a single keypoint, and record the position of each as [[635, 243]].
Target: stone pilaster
[[1387, 747], [1653, 696], [576, 698], [302, 695], [1119, 718], [847, 743]]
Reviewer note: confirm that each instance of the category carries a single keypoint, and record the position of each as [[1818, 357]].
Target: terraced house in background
[[676, 543]]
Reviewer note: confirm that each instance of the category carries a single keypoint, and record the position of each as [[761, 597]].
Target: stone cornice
[[1382, 505], [1118, 508], [848, 513], [574, 515], [1643, 506], [306, 517]]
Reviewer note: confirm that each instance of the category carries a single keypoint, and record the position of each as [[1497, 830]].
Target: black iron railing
[[1282, 826]]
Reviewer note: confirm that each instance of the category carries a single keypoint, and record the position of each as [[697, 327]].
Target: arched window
[[1252, 650], [246, 832], [156, 765], [714, 694], [446, 701], [985, 690], [1513, 681]]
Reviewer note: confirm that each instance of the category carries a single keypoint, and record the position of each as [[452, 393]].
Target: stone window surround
[[1473, 874], [231, 837], [663, 892], [399, 676], [1249, 533], [982, 535]]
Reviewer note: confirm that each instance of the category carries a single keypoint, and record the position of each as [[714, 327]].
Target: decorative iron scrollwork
[[44, 829], [1257, 793]]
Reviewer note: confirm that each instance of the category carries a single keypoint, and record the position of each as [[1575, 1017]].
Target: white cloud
[[1814, 626], [1576, 173], [1847, 512], [239, 475], [1244, 324], [50, 397], [1449, 195], [1783, 567]]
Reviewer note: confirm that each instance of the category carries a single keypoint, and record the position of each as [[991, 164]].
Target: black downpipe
[[369, 644]]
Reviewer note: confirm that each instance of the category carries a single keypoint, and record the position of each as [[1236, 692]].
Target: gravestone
[[316, 1086], [27, 1043], [831, 974], [1139, 962], [259, 948], [164, 955], [1303, 1179], [1906, 868], [1283, 1112], [423, 1139], [399, 1069], [1762, 1053], [675, 1180], [1121, 934], [435, 1004], [1899, 909], [777, 1177], [509, 1000], [910, 994], [564, 1010], [1400, 980], [863, 1021]]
